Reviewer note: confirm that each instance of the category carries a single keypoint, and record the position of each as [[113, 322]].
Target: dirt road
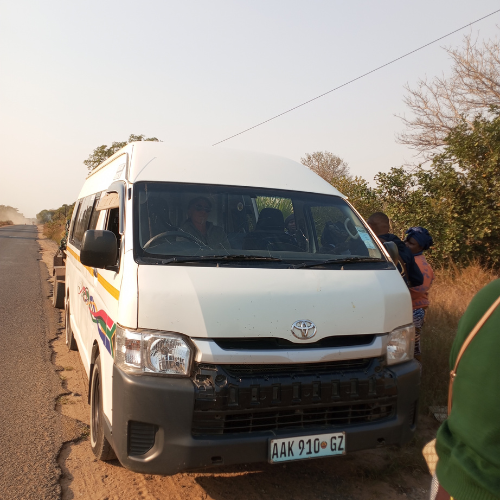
[[30, 428], [377, 474]]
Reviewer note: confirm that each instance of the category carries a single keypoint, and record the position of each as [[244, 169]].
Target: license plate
[[302, 447]]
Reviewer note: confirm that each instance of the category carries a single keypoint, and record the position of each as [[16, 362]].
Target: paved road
[[29, 425]]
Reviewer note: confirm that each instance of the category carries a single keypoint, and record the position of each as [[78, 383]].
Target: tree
[[440, 105], [400, 198], [11, 214], [326, 165], [471, 162], [103, 152], [45, 216], [360, 194], [335, 171], [54, 221], [457, 199]]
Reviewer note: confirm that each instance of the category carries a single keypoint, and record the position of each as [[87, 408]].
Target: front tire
[[70, 339], [100, 445]]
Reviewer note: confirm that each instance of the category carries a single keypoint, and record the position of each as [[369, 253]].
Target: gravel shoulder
[[388, 473]]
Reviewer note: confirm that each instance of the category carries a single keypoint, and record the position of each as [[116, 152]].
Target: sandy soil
[[388, 473]]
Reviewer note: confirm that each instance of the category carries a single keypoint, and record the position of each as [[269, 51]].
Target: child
[[418, 240]]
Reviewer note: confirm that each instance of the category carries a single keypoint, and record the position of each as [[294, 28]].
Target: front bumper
[[169, 406]]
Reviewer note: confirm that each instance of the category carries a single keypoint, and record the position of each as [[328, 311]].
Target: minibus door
[[81, 294], [107, 289], [96, 305]]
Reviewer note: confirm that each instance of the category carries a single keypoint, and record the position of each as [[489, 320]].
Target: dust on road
[[375, 474]]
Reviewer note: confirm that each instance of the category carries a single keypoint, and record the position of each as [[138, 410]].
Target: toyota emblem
[[304, 329]]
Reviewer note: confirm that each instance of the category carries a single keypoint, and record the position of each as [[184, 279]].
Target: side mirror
[[392, 250], [99, 249]]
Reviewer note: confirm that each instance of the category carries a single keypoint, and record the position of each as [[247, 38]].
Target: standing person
[[379, 223], [468, 442], [418, 240]]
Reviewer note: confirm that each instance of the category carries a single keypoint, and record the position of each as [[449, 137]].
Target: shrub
[[449, 297]]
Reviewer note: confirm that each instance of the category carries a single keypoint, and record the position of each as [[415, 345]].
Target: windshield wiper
[[336, 261], [209, 258]]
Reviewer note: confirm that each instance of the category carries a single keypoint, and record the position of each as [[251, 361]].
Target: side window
[[113, 225], [113, 222], [82, 221], [73, 221], [95, 213]]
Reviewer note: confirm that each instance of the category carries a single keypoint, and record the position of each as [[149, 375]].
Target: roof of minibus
[[157, 161]]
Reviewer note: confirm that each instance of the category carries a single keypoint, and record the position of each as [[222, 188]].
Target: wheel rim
[[95, 408]]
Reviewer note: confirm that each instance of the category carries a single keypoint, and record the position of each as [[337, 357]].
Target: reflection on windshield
[[178, 220]]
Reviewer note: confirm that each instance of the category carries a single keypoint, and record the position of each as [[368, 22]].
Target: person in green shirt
[[468, 442]]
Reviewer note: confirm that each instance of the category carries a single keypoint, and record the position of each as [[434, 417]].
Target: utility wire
[[358, 78]]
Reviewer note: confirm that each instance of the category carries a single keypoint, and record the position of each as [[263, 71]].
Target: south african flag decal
[[105, 325]]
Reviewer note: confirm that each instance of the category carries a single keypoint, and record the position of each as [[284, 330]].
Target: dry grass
[[449, 296], [54, 230]]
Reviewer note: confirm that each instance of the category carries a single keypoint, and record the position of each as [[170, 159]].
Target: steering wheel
[[353, 236], [163, 236]]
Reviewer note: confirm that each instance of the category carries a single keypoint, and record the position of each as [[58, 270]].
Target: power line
[[358, 78]]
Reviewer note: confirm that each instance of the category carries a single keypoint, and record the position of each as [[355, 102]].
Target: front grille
[[141, 438], [302, 368], [335, 415], [232, 399]]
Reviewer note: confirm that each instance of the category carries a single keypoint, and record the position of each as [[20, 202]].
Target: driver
[[198, 226]]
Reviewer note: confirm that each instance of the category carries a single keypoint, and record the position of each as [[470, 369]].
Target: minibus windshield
[[189, 223]]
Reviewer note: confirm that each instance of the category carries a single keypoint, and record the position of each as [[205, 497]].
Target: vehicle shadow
[[387, 473], [305, 480]]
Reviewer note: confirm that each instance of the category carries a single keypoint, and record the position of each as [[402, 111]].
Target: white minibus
[[233, 307]]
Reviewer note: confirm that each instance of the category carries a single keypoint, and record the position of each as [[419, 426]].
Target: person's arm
[[413, 271]]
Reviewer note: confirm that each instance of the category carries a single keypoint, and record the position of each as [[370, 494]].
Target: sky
[[76, 75]]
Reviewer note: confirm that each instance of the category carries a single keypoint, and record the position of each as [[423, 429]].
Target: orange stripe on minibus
[[105, 284], [108, 287]]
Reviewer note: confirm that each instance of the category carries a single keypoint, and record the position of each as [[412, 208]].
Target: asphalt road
[[30, 436]]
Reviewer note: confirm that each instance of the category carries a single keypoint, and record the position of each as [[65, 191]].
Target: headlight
[[401, 345], [150, 351]]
